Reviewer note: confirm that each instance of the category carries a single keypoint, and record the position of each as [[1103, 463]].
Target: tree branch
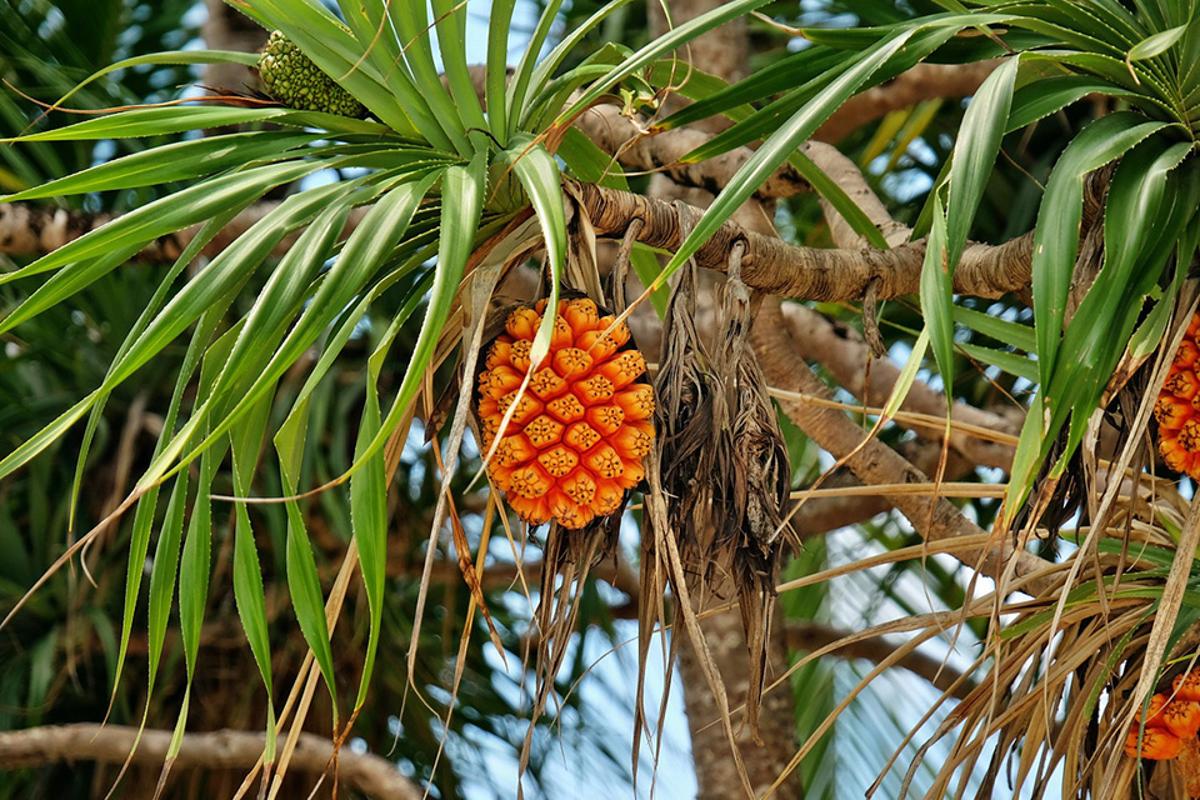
[[771, 265], [814, 635], [922, 82], [775, 267], [935, 518], [662, 152], [227, 749], [846, 356], [820, 515]]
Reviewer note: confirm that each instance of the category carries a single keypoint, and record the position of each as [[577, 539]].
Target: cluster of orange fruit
[[1178, 407], [579, 432], [1170, 721]]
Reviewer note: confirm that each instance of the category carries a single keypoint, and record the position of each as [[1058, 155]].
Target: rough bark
[[935, 518], [775, 267], [842, 351], [228, 29], [370, 774], [922, 82]]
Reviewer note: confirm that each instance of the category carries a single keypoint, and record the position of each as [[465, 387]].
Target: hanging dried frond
[[748, 499], [1059, 701], [725, 472]]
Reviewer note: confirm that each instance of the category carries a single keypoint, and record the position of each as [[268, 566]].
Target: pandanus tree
[[450, 176]]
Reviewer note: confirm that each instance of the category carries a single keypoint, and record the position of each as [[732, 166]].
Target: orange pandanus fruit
[[1178, 407], [1186, 686], [1182, 718], [577, 436], [1158, 742], [1171, 721]]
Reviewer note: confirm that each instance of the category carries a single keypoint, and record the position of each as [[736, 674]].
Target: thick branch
[[935, 518], [814, 635], [228, 749], [922, 82], [820, 515], [771, 265], [661, 152], [842, 351], [811, 273]]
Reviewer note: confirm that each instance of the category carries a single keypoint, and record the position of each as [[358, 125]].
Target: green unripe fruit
[[293, 79]]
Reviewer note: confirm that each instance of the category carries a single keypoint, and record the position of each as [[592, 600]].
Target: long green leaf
[[245, 443], [368, 512], [373, 29], [538, 173], [379, 231], [143, 518], [412, 23], [1056, 236], [1018, 335], [212, 288], [304, 584], [195, 565], [499, 22], [416, 290], [171, 162], [141, 226], [1156, 44], [777, 148], [1012, 363], [166, 57], [163, 570], [152, 122], [923, 40], [284, 293], [836, 196], [1046, 96], [222, 275], [971, 165], [518, 87], [450, 17], [463, 191], [568, 44], [937, 304], [784, 75]]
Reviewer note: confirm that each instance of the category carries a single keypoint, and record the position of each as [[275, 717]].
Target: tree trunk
[[228, 29], [724, 52], [716, 773]]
